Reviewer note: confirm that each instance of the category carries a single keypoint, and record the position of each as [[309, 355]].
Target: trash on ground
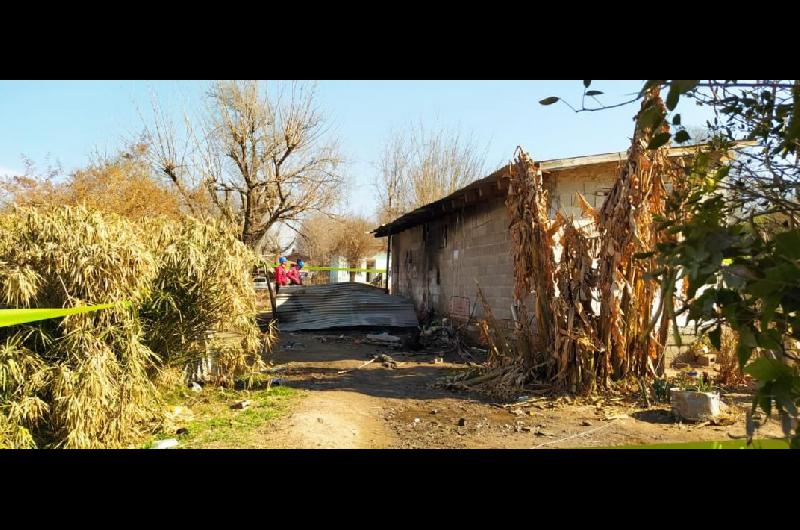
[[691, 405], [384, 337], [165, 444], [242, 404]]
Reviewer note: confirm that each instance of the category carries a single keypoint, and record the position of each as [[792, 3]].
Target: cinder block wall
[[459, 248], [432, 269]]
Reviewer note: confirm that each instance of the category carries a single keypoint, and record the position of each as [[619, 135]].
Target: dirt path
[[334, 419], [383, 407]]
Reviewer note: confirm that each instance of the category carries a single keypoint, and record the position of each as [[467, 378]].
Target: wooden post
[[271, 295], [388, 260]]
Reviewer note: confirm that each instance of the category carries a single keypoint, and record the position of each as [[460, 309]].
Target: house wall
[[439, 268], [362, 277], [438, 274]]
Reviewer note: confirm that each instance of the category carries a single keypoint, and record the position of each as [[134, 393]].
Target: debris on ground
[[445, 337], [358, 367], [384, 338], [242, 404], [176, 417], [165, 444], [387, 361]]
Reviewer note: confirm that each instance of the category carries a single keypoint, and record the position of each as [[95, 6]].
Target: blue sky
[[68, 120]]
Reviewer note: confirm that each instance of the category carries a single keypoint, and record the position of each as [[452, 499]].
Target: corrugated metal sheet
[[341, 305]]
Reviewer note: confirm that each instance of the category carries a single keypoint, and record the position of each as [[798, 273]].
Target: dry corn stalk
[[532, 249], [626, 228], [572, 345]]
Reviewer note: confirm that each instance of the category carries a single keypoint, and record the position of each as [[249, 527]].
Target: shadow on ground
[[657, 416], [313, 362]]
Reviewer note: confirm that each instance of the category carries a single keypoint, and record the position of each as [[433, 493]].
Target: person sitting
[[294, 273], [281, 275]]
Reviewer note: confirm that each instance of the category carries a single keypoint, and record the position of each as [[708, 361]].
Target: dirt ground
[[384, 407]]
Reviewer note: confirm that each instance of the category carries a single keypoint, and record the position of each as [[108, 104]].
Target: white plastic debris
[[165, 444], [694, 406], [384, 337]]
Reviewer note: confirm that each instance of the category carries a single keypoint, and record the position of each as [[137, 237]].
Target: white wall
[[344, 276]]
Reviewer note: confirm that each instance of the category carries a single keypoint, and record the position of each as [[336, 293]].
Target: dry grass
[[86, 380], [203, 284]]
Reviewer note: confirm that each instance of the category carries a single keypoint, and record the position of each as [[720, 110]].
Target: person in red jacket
[[281, 274], [294, 273]]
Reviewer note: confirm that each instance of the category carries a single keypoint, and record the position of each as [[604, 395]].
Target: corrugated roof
[[341, 305], [493, 185]]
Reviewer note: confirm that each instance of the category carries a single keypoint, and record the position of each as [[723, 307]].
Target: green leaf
[[659, 140], [676, 120], [676, 88], [714, 336], [649, 84], [672, 98], [765, 369], [586, 84], [770, 305], [743, 353], [769, 340], [651, 117], [765, 402], [594, 93], [684, 86], [787, 244], [682, 136], [548, 101]]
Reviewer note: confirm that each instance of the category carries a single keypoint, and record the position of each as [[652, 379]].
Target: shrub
[[86, 380]]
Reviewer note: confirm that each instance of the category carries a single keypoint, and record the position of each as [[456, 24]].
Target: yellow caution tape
[[348, 269], [11, 317]]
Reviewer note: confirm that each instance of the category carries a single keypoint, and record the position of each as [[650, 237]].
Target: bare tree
[[355, 242], [318, 238], [418, 166], [260, 153]]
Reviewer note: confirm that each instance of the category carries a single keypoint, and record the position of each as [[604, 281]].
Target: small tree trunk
[[352, 276]]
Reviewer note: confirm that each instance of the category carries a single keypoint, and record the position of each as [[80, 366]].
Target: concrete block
[[690, 405]]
